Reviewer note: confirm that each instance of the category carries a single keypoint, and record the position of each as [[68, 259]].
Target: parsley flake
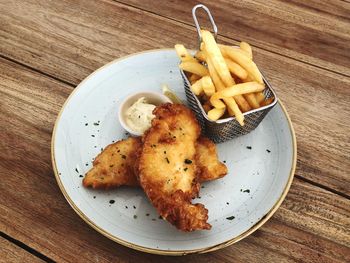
[[188, 161]]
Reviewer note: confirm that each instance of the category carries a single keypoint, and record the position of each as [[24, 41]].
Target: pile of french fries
[[224, 78]]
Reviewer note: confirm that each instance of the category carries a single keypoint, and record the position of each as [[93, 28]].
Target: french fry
[[218, 80], [200, 56], [250, 97], [225, 55], [219, 85], [183, 54], [215, 114], [260, 97], [237, 55], [218, 104], [214, 53], [242, 103], [223, 52], [247, 48], [234, 110], [197, 88], [193, 78], [238, 89], [194, 67], [214, 84], [208, 86], [236, 69]]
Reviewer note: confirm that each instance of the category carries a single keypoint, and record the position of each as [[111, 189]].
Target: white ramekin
[[151, 97]]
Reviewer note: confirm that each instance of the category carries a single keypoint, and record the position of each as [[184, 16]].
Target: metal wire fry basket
[[228, 128]]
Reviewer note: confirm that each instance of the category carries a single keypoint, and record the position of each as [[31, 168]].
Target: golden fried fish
[[206, 157], [210, 168], [168, 168], [114, 166]]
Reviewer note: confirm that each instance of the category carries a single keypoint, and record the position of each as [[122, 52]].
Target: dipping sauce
[[139, 116]]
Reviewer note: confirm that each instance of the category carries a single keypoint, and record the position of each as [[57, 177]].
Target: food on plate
[[170, 94], [169, 162], [183, 53], [111, 169], [247, 48], [244, 61], [208, 86], [168, 168], [242, 88], [215, 113], [210, 168], [216, 68], [200, 56], [115, 165], [236, 69], [213, 53], [197, 87], [194, 67], [139, 115]]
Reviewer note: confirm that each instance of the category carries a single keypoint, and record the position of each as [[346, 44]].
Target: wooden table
[[48, 47]]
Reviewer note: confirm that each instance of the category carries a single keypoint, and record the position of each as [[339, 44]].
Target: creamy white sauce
[[139, 115]]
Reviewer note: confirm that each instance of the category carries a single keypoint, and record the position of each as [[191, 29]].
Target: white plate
[[261, 164]]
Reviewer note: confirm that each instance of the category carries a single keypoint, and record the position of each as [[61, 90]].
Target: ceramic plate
[[261, 164]]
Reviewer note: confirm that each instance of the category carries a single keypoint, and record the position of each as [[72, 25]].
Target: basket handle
[[206, 9]]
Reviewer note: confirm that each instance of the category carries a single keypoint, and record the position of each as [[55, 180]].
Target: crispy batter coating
[[115, 165], [168, 169], [207, 159]]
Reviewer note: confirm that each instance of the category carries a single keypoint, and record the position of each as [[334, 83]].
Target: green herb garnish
[[188, 161]]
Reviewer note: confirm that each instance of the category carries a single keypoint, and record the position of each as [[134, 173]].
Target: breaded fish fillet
[[210, 168], [114, 166], [108, 166], [168, 168]]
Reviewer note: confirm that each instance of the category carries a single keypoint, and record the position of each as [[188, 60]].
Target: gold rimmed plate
[[261, 164]]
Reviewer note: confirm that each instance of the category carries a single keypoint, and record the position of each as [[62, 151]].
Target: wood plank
[[303, 31], [312, 223], [11, 253], [70, 43], [333, 9]]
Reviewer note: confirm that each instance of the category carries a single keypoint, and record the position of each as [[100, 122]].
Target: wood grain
[[311, 225], [333, 9], [319, 34], [9, 253], [300, 45], [69, 45]]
